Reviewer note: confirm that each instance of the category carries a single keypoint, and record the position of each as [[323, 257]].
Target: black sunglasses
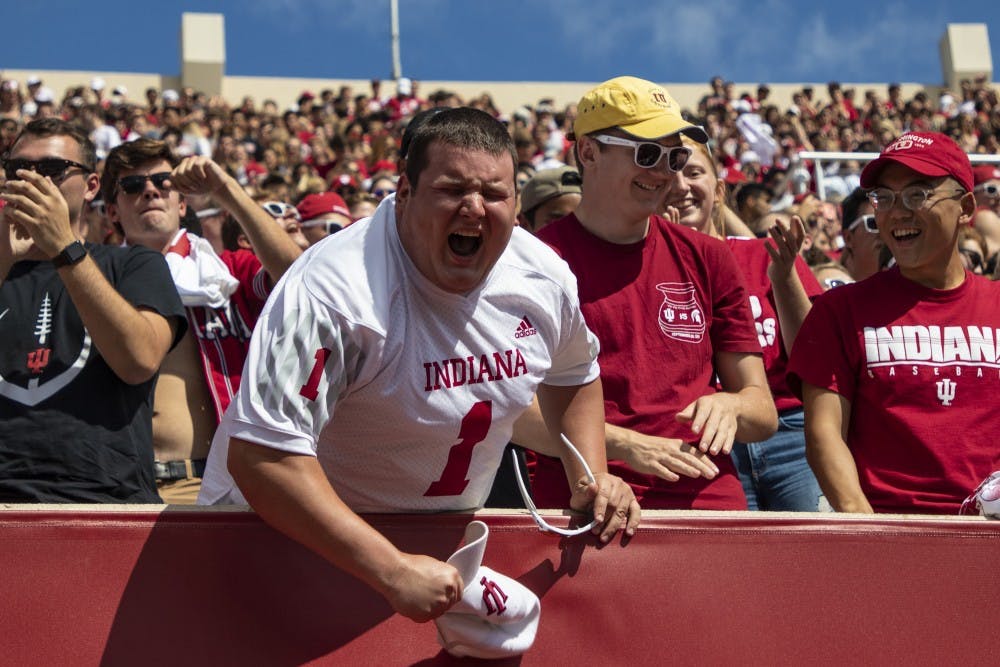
[[51, 167], [136, 183]]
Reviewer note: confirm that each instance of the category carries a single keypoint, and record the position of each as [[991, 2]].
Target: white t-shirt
[[406, 393]]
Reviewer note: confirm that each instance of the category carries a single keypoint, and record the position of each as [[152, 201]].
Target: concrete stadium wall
[[507, 95]]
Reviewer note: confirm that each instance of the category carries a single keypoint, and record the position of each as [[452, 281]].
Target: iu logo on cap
[[493, 597]]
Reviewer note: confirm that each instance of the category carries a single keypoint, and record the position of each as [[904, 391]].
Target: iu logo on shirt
[[681, 317], [493, 597], [49, 369], [946, 391]]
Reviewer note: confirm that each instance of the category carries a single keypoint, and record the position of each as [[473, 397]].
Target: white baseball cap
[[44, 95], [497, 616]]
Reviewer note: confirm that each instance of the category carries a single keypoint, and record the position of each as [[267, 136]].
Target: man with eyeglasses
[[899, 373], [669, 306], [143, 187], [84, 328]]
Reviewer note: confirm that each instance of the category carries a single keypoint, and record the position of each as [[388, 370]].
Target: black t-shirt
[[70, 429]]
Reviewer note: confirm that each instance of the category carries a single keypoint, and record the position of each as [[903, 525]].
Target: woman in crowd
[[774, 473]]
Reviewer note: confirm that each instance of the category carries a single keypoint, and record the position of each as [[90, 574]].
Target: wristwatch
[[70, 255]]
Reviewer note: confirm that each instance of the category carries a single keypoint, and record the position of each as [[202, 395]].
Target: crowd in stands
[[334, 156], [347, 141]]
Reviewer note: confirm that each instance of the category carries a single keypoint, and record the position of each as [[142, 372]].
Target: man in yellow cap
[[668, 305]]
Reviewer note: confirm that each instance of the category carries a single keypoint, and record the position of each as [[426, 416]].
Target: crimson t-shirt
[[661, 308], [920, 369], [753, 259]]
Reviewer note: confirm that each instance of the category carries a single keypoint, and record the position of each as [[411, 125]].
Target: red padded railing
[[202, 587]]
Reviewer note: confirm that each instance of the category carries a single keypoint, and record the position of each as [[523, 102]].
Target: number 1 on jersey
[[475, 426], [311, 388]]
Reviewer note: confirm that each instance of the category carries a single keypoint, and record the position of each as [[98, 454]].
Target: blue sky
[[516, 40]]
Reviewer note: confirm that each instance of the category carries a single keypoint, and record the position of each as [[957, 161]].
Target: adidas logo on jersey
[[524, 329]]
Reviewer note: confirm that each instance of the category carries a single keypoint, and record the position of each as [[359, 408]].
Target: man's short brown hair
[[57, 127]]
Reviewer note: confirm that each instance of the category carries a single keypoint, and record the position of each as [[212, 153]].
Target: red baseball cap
[[315, 205], [927, 153], [986, 172]]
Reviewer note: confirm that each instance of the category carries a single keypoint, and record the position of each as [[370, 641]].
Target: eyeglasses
[[382, 193], [51, 167], [330, 226], [867, 220], [279, 210], [544, 525], [648, 153], [136, 183], [914, 197], [988, 189], [975, 259]]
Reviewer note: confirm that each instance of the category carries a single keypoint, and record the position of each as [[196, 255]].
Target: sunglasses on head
[[648, 153], [51, 167], [279, 209], [989, 189], [571, 178], [136, 183]]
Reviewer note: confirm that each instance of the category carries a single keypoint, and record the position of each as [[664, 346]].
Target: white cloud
[[769, 40], [296, 16]]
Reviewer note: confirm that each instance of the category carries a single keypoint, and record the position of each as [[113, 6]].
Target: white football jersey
[[407, 394]]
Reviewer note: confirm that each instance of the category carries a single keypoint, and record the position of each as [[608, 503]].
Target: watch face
[[71, 254]]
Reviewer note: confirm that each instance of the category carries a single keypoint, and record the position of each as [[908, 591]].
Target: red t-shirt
[[753, 259], [660, 307], [224, 333], [920, 368]]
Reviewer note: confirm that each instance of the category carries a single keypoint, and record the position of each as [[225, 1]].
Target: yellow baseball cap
[[639, 107]]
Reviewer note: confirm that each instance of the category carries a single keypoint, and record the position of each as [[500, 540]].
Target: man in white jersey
[[899, 373], [387, 370]]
